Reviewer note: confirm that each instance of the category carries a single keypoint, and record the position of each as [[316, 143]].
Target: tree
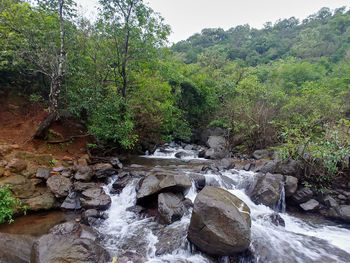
[[135, 32]]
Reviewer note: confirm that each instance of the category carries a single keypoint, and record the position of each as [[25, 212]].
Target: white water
[[298, 241]]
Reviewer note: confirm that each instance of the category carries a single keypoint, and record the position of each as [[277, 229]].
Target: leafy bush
[[8, 204]]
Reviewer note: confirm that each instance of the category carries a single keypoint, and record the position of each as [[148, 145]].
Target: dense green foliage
[[8, 204], [285, 86]]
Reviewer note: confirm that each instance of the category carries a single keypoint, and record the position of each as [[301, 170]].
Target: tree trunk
[[55, 85]]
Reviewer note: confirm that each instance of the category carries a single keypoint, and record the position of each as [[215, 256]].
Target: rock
[[220, 223], [66, 228], [261, 154], [133, 257], [80, 186], [21, 186], [277, 220], [44, 201], [68, 249], [218, 148], [95, 198], [201, 153], [290, 185], [267, 190], [137, 209], [40, 159], [121, 182], [71, 202], [104, 170], [60, 169], [344, 212], [90, 216], [189, 147], [199, 180], [330, 201], [267, 167], [310, 205], [170, 207], [247, 167], [182, 155], [302, 195], [156, 183], [15, 248], [116, 163], [212, 131], [16, 165], [43, 173], [170, 238], [59, 185], [292, 167], [225, 164], [83, 173]]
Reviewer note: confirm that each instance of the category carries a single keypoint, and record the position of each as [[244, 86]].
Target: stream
[[302, 239]]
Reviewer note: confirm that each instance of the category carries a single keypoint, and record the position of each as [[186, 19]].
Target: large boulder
[[44, 201], [43, 173], [290, 185], [81, 186], [310, 205], [267, 190], [159, 182], [212, 131], [71, 202], [16, 165], [21, 186], [199, 180], [59, 185], [218, 148], [83, 173], [15, 248], [341, 212], [302, 195], [122, 181], [261, 154], [104, 170], [95, 198], [220, 223], [170, 207]]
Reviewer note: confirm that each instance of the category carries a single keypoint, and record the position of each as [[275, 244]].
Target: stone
[[182, 155], [83, 173], [170, 207], [104, 170], [199, 180], [267, 190], [218, 148], [71, 202], [211, 131], [44, 201], [261, 154], [225, 164], [40, 159], [277, 220], [95, 198], [330, 201], [159, 182], [43, 173], [122, 181], [60, 169], [81, 186], [59, 185], [21, 186], [310, 205], [290, 185], [116, 163], [16, 165], [247, 167], [302, 195], [15, 248], [344, 212], [220, 223]]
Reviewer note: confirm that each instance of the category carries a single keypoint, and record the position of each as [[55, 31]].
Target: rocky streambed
[[172, 206]]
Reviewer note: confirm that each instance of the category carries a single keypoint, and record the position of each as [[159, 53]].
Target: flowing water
[[301, 240]]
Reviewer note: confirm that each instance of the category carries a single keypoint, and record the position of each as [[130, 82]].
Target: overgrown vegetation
[[8, 204], [285, 86]]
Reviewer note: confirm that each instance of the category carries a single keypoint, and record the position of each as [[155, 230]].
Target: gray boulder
[[95, 198], [116, 163], [302, 195], [212, 131], [267, 190], [170, 207], [225, 164], [261, 154], [311, 205], [156, 183], [43, 173], [218, 148], [59, 185], [104, 170], [83, 173], [122, 181], [71, 202], [199, 180], [290, 185], [80, 186], [182, 155], [15, 248], [45, 200], [220, 223]]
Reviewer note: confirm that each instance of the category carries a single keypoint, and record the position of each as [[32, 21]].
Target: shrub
[[8, 204]]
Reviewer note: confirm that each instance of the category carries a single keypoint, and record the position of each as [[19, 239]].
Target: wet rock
[[261, 154], [201, 153], [66, 228], [218, 148], [71, 202], [95, 198], [267, 190], [83, 173], [116, 163], [69, 249], [21, 186], [267, 167], [170, 238], [310, 205], [290, 185], [16, 165], [43, 173], [44, 201], [277, 220], [225, 164], [104, 170], [189, 147], [122, 181], [330, 201], [137, 209], [131, 257], [220, 222], [344, 212], [156, 183], [302, 195], [59, 185], [187, 203], [247, 167], [182, 155], [80, 186], [170, 207], [199, 180], [15, 248]]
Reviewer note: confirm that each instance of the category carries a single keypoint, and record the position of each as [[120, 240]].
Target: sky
[[187, 17]]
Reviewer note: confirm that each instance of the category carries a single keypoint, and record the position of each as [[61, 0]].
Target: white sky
[[187, 17]]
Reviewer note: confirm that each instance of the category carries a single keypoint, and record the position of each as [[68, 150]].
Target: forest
[[285, 87]]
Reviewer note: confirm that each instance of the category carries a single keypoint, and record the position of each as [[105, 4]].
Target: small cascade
[[300, 240]]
